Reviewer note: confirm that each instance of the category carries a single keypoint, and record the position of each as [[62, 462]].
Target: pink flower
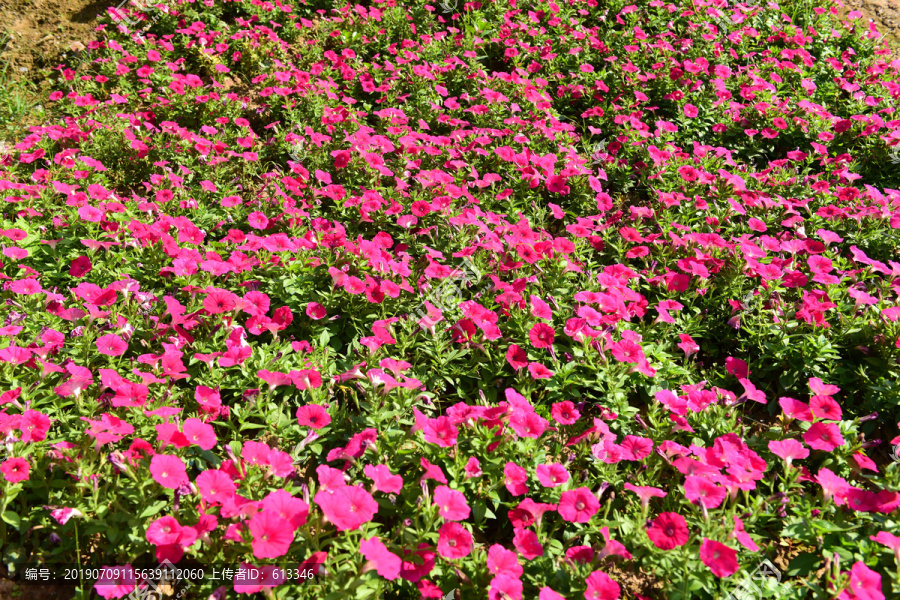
[[557, 185], [526, 542], [414, 571], [34, 426], [313, 416], [865, 584], [199, 433], [501, 561], [690, 111], [215, 486], [516, 357], [540, 309], [737, 367], [823, 436], [26, 287], [688, 345], [80, 266], [387, 564], [549, 594], [348, 507], [601, 586], [515, 477], [473, 467], [528, 424], [580, 554], [441, 432], [687, 173], [90, 214], [541, 335], [788, 449], [505, 587], [645, 493], [432, 471], [539, 371], [283, 504], [794, 409], [578, 505], [15, 469], [258, 220], [111, 345], [551, 475], [636, 448], [164, 531], [272, 535], [627, 351], [668, 530], [720, 559], [741, 535], [219, 301], [565, 413], [452, 503], [825, 407], [704, 492], [168, 471], [385, 482], [316, 311], [454, 541]]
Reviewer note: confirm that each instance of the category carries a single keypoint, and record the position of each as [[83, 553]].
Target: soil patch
[[38, 31]]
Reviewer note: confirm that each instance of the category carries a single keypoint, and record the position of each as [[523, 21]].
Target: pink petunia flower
[[164, 531], [578, 505], [385, 481], [565, 413], [272, 535], [704, 492], [348, 507], [505, 587], [720, 559], [451, 503], [668, 530], [526, 542], [111, 345], [441, 432], [501, 561], [601, 586], [515, 478], [386, 563], [541, 335], [316, 311], [864, 584], [551, 475], [788, 450], [313, 416], [823, 436], [215, 486], [168, 471], [15, 469], [199, 433], [454, 541]]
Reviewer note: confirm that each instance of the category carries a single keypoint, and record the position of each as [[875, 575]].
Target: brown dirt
[[40, 30], [12, 591], [885, 13]]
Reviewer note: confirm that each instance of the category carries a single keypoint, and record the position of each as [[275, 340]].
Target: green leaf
[[12, 518], [830, 527], [803, 564], [153, 509]]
